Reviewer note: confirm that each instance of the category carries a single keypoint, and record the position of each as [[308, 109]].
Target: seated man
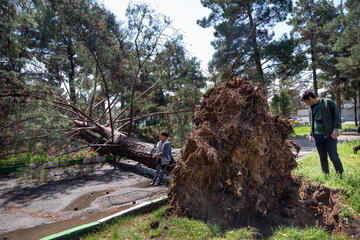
[[163, 156]]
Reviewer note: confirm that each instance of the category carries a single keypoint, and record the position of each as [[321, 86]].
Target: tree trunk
[[313, 66], [355, 110], [338, 98], [128, 147], [257, 57], [71, 55]]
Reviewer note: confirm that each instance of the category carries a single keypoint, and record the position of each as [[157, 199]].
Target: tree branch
[[148, 115], [140, 96], [140, 65], [20, 121]]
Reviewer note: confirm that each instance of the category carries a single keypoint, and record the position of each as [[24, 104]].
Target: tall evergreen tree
[[243, 26], [330, 77], [280, 104], [347, 45], [308, 18]]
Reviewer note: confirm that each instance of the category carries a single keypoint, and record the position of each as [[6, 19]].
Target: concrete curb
[[75, 232], [140, 169]]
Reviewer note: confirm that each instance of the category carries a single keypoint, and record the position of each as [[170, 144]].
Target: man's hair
[[164, 133], [307, 95]]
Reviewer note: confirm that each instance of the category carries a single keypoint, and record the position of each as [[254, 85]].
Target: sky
[[184, 15]]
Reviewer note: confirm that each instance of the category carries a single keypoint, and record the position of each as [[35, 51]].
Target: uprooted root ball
[[237, 162]]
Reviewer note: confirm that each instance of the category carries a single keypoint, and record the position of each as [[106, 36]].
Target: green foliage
[[288, 61], [281, 104], [347, 41], [83, 54], [346, 213], [32, 174], [243, 25], [310, 167], [309, 20]]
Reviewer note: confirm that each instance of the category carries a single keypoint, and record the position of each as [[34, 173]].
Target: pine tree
[[347, 45], [243, 26], [307, 19]]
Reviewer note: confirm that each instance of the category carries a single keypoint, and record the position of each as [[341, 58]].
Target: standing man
[[163, 156], [325, 123]]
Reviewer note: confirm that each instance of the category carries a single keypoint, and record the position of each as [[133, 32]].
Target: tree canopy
[[62, 64]]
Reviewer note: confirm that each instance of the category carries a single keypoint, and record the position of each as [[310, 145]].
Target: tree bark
[[71, 55], [128, 147], [313, 66], [257, 57], [355, 109], [338, 98]]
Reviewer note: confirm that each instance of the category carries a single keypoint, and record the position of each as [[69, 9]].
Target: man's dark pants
[[160, 171], [327, 146]]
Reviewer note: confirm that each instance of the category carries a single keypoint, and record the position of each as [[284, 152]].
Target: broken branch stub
[[236, 163]]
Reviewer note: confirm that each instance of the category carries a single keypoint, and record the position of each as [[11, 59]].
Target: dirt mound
[[237, 163], [305, 203]]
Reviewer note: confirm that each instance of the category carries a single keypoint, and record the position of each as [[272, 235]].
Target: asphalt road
[[85, 199]]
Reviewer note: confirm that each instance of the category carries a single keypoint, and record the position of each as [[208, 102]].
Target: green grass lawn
[[350, 183], [301, 129], [305, 129], [176, 228]]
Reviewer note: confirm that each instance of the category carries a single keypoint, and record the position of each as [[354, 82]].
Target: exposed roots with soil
[[235, 168]]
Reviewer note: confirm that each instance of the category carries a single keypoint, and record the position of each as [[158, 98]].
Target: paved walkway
[[71, 202], [307, 146]]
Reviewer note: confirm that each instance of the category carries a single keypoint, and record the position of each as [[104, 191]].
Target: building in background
[[347, 112]]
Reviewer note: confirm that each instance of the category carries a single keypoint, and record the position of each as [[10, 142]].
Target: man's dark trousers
[[160, 171], [327, 145]]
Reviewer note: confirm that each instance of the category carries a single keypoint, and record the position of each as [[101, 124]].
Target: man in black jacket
[[325, 123]]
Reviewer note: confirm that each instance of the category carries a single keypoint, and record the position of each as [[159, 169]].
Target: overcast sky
[[184, 15]]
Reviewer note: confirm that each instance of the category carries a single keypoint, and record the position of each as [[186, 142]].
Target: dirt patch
[[237, 162], [85, 200], [305, 203]]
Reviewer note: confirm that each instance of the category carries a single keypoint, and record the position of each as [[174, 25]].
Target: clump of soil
[[154, 224], [237, 162]]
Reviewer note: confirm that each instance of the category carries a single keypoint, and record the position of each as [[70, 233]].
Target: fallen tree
[[102, 71], [123, 145]]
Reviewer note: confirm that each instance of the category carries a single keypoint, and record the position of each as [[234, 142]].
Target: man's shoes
[[157, 184], [152, 183], [355, 149]]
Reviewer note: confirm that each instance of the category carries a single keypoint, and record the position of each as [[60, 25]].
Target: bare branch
[[93, 94], [102, 77], [140, 65], [230, 72], [148, 115], [20, 121], [140, 96]]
